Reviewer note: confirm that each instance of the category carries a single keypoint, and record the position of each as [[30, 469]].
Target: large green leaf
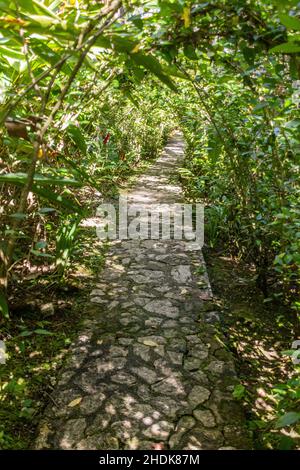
[[150, 63], [287, 419], [104, 42], [189, 52], [50, 195], [57, 199], [77, 137], [12, 53], [46, 21], [49, 55], [286, 48], [40, 7], [26, 5], [116, 42], [79, 172], [290, 22], [20, 178], [123, 44]]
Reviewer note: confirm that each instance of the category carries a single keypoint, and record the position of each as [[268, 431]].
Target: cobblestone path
[[149, 370]]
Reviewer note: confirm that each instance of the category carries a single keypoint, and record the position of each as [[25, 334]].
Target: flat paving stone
[[147, 369]]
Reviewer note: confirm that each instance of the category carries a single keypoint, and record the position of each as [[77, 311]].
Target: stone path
[[148, 371]]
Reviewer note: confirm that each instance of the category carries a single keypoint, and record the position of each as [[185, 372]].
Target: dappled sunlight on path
[[148, 369]]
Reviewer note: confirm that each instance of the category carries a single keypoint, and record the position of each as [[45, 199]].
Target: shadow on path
[[148, 370]]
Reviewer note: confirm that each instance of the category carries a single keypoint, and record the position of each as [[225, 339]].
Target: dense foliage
[[243, 160], [90, 90]]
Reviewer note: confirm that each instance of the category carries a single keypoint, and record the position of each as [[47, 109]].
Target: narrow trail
[[148, 371]]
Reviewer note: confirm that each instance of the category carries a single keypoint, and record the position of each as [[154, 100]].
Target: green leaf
[[286, 48], [261, 105], [239, 391], [150, 63], [46, 21], [25, 333], [40, 7], [48, 55], [287, 419], [77, 137], [103, 42], [12, 53], [3, 306], [286, 443], [41, 245], [41, 331], [189, 52], [41, 255], [293, 124], [4, 40], [27, 6], [18, 215], [57, 198], [122, 44], [290, 22], [46, 210], [39, 179], [137, 21], [49, 195], [173, 71]]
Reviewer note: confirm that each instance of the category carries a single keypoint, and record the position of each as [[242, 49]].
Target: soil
[[257, 332]]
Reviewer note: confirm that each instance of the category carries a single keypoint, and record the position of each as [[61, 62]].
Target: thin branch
[[58, 65], [40, 135]]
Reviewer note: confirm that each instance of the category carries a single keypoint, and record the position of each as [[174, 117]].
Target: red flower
[[106, 138]]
